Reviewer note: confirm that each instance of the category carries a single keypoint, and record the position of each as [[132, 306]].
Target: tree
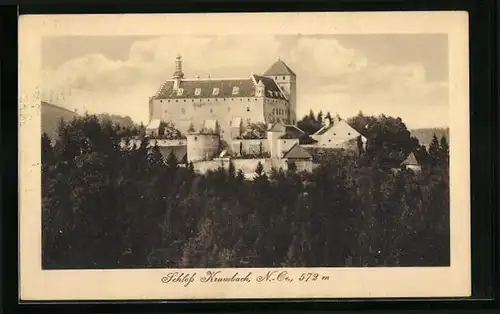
[[444, 151], [231, 169], [319, 119], [434, 150], [329, 117]]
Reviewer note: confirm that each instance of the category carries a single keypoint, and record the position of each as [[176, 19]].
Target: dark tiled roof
[[279, 68], [246, 88], [297, 152], [270, 86]]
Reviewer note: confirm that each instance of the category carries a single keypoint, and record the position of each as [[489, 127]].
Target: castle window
[[335, 134], [215, 92], [176, 100], [248, 99], [192, 100], [211, 110], [183, 110], [197, 91], [348, 133], [224, 99], [180, 91], [283, 77], [248, 108], [162, 100], [184, 100], [236, 90]]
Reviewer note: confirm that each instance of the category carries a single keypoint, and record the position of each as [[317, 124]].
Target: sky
[[400, 75]]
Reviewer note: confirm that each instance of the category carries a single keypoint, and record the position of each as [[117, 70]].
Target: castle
[[225, 105]]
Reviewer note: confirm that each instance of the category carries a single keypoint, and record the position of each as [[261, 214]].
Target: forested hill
[[124, 121], [424, 136], [51, 115]]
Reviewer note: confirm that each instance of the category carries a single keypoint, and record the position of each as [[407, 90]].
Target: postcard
[[244, 156]]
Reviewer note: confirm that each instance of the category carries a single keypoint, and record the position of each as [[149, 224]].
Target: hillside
[[116, 119], [424, 136], [51, 115]]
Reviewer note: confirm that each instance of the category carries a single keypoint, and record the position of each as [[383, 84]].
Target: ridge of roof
[[279, 68], [297, 152]]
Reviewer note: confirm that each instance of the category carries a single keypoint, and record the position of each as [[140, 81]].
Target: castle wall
[[183, 112], [202, 146], [247, 166], [247, 147]]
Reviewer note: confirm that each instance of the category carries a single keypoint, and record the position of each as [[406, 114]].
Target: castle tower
[[287, 80], [178, 74]]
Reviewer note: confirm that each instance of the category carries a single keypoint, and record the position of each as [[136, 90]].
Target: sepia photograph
[[278, 157]]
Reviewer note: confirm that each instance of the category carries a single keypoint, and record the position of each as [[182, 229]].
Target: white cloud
[[330, 77]]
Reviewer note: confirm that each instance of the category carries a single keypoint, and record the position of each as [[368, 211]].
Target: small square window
[[236, 90], [180, 91], [215, 92], [197, 91]]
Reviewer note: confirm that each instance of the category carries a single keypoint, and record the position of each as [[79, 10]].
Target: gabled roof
[[279, 68], [277, 127], [297, 152], [341, 125], [411, 160]]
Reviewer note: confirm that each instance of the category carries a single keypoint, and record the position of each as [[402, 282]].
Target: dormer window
[[236, 90], [180, 91], [215, 92], [197, 91]]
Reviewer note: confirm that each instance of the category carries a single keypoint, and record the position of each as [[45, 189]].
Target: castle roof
[[297, 152], [279, 68], [219, 88]]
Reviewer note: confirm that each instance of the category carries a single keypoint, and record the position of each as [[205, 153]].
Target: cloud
[[330, 76]]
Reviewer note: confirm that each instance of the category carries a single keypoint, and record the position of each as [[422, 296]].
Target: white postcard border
[[38, 284]]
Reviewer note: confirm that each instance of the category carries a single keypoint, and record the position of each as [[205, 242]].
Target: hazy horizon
[[403, 75]]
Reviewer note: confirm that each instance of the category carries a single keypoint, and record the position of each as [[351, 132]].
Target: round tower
[[202, 147]]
